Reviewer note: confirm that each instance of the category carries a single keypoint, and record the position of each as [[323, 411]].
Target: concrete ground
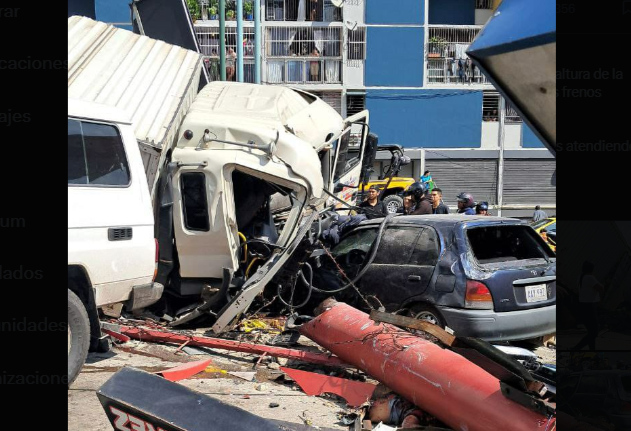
[[85, 411]]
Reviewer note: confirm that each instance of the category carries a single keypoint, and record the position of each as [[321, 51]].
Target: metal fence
[[311, 70], [447, 61], [302, 10]]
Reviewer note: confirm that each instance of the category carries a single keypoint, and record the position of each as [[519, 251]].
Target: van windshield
[[498, 244]]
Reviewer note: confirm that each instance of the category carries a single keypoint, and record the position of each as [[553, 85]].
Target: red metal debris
[[439, 381], [116, 335], [355, 393], [163, 336], [184, 371]]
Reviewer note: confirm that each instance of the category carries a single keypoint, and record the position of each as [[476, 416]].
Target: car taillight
[[478, 296], [155, 271]]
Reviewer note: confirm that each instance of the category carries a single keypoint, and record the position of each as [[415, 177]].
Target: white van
[[111, 245]]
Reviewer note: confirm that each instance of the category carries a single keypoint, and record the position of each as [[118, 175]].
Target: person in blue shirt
[[466, 204], [428, 182]]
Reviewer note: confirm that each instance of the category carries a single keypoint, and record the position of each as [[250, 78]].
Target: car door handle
[[414, 278]]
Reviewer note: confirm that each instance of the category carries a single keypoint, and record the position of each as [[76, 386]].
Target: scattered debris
[[261, 387], [433, 378], [273, 405], [164, 336], [273, 366], [245, 375], [274, 326], [355, 393], [184, 371], [117, 336]]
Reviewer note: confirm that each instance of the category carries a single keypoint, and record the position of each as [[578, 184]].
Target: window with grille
[[355, 103], [304, 41], [511, 115], [447, 61], [303, 55], [490, 106], [302, 10], [208, 38], [357, 44], [490, 109]]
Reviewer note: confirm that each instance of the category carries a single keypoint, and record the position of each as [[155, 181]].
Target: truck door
[[348, 155]]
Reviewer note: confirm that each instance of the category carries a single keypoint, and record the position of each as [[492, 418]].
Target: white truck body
[[217, 160]]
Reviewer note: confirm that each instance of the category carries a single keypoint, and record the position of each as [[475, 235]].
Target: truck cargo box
[[152, 81]]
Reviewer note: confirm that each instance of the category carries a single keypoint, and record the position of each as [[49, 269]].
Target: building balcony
[[447, 61], [311, 70], [302, 10]]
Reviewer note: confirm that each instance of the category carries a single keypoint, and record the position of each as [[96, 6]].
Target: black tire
[[428, 313], [78, 335], [393, 203]]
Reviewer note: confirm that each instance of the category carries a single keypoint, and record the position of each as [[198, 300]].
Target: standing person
[[482, 209], [213, 69], [589, 291], [314, 66], [422, 202], [465, 204], [427, 181], [438, 207], [372, 206], [539, 214], [230, 64]]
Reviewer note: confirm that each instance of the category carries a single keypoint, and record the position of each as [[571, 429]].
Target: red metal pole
[[439, 381], [145, 334]]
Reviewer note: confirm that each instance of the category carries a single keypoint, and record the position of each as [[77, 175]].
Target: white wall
[[512, 136], [353, 74], [354, 11], [482, 16]]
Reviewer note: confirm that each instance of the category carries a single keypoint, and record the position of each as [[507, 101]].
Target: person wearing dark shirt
[[438, 207], [372, 206], [466, 204], [422, 202]]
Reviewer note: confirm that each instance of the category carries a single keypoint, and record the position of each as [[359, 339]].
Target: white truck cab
[[111, 245]]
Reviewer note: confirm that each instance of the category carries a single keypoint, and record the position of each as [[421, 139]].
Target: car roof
[[445, 221]]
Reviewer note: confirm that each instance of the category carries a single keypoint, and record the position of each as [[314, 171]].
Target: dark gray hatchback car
[[487, 277]]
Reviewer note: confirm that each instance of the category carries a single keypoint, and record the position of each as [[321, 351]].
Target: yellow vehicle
[[390, 186], [550, 226]]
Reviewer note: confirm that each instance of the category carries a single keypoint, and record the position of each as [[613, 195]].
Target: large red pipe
[[439, 381]]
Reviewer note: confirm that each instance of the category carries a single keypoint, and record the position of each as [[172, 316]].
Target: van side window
[[195, 204], [77, 169], [96, 155]]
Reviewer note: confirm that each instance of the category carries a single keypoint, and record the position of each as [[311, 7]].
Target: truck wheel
[[78, 335], [393, 203], [428, 313]]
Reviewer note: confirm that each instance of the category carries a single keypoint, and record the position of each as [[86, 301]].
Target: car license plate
[[536, 293]]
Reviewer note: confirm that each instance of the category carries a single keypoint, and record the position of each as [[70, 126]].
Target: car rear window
[[495, 244]]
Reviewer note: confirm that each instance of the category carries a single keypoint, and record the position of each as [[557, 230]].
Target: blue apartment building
[[405, 61]]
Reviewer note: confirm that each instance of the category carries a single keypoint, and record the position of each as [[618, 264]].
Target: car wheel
[[393, 203], [78, 335], [428, 313]]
